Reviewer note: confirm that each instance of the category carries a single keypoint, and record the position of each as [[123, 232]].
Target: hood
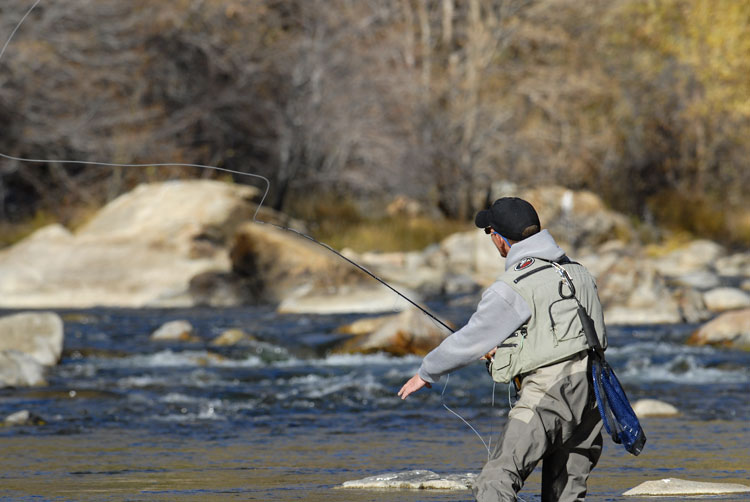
[[540, 245]]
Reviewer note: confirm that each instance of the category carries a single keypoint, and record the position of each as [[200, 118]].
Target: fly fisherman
[[526, 327]]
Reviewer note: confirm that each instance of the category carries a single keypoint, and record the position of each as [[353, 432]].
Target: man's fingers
[[412, 385]]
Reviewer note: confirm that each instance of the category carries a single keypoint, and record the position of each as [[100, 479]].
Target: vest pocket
[[500, 368], [505, 361], [564, 321]]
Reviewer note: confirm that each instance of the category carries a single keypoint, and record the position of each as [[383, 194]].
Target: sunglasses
[[490, 230]]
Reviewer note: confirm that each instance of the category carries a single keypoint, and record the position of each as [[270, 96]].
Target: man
[[526, 325]]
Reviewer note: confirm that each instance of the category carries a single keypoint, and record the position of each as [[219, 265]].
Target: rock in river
[[410, 332], [654, 408], [39, 335], [23, 417], [673, 487], [232, 337], [730, 328], [20, 370], [174, 331]]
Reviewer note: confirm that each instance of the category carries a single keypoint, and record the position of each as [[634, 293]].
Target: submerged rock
[[23, 417], [731, 329], [232, 337], [174, 331], [410, 332], [414, 480], [673, 487], [36, 334]]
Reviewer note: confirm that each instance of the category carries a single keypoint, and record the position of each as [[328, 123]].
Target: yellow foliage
[[710, 36]]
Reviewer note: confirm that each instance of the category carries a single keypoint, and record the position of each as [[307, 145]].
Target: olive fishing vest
[[554, 331]]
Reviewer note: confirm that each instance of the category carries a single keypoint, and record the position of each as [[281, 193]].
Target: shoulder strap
[[565, 261]]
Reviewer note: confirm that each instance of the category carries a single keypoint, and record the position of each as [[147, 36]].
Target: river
[[127, 418]]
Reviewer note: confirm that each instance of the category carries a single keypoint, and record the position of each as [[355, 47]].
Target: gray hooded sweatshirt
[[500, 312]]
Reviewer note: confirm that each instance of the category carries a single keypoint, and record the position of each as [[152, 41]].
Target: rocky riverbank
[[187, 243]]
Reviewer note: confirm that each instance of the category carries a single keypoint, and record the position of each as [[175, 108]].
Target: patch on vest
[[525, 263]]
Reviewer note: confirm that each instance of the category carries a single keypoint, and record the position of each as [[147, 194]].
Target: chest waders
[[561, 326]]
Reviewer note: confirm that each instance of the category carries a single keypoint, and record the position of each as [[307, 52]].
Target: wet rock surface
[[674, 487], [413, 480]]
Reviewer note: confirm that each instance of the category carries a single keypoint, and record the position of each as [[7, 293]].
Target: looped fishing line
[[488, 443], [255, 220]]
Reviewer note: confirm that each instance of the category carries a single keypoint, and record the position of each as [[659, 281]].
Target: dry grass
[[340, 223], [391, 234]]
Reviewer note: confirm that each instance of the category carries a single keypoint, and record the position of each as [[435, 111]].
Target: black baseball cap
[[511, 217]]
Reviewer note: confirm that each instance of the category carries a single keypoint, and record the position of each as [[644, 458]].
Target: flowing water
[[127, 418]]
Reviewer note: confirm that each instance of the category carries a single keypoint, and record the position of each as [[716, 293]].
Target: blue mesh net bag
[[617, 414]]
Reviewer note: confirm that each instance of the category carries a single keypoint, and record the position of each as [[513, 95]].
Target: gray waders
[[555, 421]]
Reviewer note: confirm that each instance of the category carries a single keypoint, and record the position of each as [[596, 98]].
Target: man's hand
[[414, 384]]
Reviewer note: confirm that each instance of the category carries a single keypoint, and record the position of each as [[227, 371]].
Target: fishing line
[[18, 26], [255, 220]]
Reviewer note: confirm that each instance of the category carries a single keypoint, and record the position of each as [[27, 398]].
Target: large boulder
[[731, 329], [410, 332], [142, 249], [38, 335], [305, 277], [20, 370]]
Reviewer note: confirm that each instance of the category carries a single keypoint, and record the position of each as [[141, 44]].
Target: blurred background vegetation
[[345, 105]]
